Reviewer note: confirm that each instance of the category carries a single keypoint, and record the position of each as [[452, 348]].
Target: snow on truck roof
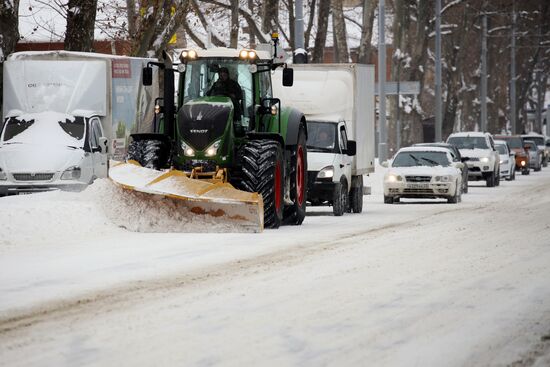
[[69, 55]]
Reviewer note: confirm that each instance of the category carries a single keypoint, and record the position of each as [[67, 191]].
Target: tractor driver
[[225, 86]]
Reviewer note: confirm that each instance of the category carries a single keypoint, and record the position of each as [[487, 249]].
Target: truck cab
[[330, 155]]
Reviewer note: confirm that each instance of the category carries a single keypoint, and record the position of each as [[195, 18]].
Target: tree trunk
[[291, 23], [80, 25], [341, 53], [9, 35], [251, 37], [307, 33], [365, 47], [131, 14], [234, 33], [270, 14], [321, 36]]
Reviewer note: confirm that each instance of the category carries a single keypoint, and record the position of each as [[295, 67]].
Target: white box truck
[[65, 114], [338, 102]]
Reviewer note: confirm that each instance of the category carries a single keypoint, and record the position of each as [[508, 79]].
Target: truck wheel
[[388, 199], [490, 179], [294, 214], [340, 198], [262, 172], [356, 195]]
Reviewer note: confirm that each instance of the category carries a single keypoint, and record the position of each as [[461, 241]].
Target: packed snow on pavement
[[98, 278]]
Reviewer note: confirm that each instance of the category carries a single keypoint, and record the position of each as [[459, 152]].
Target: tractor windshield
[[221, 77]]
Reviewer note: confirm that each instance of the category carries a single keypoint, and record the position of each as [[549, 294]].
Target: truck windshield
[[469, 142], [45, 128], [202, 79], [419, 158], [322, 137]]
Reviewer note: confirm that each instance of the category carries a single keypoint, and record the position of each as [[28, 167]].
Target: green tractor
[[226, 126]]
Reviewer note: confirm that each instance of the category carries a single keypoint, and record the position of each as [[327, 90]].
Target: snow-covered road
[[422, 283]]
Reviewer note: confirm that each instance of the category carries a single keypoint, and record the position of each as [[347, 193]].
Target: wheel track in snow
[[126, 295]]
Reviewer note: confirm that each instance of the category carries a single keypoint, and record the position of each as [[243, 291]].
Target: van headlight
[[213, 149], [327, 172], [71, 173], [187, 150], [3, 175]]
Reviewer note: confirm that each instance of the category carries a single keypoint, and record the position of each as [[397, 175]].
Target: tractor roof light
[[188, 55], [248, 55]]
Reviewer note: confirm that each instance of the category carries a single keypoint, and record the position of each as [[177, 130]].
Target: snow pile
[[142, 212]]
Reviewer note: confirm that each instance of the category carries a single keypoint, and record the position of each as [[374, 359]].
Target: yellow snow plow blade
[[220, 200]]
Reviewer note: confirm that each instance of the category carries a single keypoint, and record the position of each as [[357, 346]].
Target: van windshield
[[322, 137]]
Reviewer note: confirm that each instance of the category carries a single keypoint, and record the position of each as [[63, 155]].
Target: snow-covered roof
[[423, 149], [72, 55], [469, 133]]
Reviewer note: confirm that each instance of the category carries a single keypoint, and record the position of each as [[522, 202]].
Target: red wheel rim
[[300, 176], [278, 186]]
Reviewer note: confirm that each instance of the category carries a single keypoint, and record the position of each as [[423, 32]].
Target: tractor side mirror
[[147, 76], [288, 77]]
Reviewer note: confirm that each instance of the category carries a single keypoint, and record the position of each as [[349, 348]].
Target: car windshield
[[468, 142], [539, 140], [501, 148], [421, 158], [321, 137]]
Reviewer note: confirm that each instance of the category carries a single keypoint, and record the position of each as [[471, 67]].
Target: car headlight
[[484, 159], [327, 172], [3, 175], [394, 178], [442, 178], [505, 161], [187, 150], [213, 149], [71, 173]]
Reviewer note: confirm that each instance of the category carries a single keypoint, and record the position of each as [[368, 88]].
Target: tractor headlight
[[327, 172], [187, 150], [188, 54], [247, 54], [213, 149], [3, 175], [484, 159], [71, 173], [394, 178]]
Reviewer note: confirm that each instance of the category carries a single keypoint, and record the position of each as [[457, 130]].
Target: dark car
[[455, 153], [515, 142]]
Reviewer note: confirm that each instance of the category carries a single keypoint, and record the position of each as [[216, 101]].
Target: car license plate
[[418, 186]]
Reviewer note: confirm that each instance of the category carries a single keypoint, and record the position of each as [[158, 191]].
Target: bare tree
[[341, 53], [365, 48], [321, 36], [270, 15], [80, 25], [9, 34], [234, 33]]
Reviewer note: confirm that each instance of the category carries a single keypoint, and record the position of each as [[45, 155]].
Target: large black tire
[[263, 172], [148, 153], [356, 195], [497, 178], [135, 150], [294, 214], [340, 198], [545, 162]]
